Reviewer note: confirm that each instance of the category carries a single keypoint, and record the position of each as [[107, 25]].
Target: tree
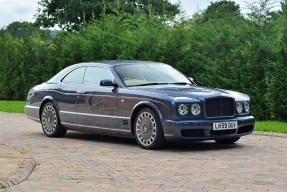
[[22, 29], [24, 53], [216, 34], [72, 14], [222, 9], [226, 50], [261, 13], [277, 69]]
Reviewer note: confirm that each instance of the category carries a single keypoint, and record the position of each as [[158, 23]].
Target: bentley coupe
[[151, 102]]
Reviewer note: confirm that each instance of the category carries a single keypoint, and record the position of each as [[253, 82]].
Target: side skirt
[[98, 130]]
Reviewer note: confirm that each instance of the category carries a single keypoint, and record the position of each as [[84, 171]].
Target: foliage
[[219, 47], [20, 29], [21, 61], [223, 9], [72, 14], [276, 72]]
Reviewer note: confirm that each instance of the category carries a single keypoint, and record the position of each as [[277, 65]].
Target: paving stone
[[89, 162]]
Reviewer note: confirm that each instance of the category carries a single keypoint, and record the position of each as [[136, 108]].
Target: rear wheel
[[148, 130], [227, 141], [51, 122]]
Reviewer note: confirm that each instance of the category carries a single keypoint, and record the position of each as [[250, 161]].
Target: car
[[149, 101]]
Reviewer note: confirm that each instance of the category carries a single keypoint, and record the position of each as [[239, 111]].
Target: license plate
[[225, 125]]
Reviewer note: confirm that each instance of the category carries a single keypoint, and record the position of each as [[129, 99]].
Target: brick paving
[[89, 162], [15, 165], [10, 160]]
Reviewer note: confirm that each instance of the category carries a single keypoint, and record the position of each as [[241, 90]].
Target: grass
[[268, 126], [2, 186], [271, 126], [12, 106]]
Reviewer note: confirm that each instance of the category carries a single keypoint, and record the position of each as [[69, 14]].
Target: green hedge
[[232, 53]]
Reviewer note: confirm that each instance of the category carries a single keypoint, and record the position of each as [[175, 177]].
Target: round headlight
[[182, 109], [195, 109], [239, 107], [246, 106]]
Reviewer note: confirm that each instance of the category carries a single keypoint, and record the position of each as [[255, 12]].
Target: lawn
[[269, 126], [12, 106]]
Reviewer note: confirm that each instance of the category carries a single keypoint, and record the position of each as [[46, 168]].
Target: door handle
[[81, 92]]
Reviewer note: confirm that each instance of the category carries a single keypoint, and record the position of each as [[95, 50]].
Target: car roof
[[115, 62]]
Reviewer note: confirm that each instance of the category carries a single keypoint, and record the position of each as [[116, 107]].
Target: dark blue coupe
[[152, 102]]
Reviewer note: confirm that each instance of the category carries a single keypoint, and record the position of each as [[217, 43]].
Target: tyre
[[148, 131], [50, 121], [227, 141]]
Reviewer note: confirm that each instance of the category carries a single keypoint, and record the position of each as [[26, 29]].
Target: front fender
[[143, 104]]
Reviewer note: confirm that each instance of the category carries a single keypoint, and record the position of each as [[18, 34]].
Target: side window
[[94, 75], [75, 76]]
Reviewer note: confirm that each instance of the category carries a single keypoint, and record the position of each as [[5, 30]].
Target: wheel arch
[[141, 105], [47, 99]]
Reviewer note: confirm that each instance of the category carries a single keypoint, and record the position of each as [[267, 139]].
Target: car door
[[66, 95], [96, 105]]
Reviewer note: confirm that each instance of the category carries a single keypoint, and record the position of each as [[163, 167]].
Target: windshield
[[149, 74]]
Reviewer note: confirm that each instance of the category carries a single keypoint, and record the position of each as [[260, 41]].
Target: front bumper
[[203, 129], [32, 112]]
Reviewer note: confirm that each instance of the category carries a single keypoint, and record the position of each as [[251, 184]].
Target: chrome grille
[[219, 107]]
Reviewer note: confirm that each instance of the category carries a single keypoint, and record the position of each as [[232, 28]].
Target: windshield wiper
[[146, 84], [181, 83], [176, 83]]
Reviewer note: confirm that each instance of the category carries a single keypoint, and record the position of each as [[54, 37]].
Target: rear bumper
[[203, 129]]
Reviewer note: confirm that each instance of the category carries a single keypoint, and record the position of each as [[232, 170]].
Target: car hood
[[194, 92]]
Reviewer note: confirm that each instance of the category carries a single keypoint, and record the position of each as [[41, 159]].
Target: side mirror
[[192, 80], [108, 83]]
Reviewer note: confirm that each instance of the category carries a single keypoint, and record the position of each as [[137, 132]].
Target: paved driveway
[[88, 162]]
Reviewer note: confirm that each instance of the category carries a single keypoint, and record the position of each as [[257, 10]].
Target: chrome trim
[[32, 107], [109, 129], [68, 112], [106, 116], [94, 115]]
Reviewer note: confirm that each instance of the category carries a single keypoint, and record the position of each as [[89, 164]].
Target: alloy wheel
[[49, 119]]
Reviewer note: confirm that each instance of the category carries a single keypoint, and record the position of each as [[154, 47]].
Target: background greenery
[[271, 126], [219, 46], [12, 106]]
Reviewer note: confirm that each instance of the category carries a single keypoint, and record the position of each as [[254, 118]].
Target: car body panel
[[112, 109], [97, 106]]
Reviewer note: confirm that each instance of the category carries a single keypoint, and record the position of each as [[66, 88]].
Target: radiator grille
[[219, 107]]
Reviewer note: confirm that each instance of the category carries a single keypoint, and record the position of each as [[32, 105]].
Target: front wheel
[[148, 130], [227, 141], [50, 121]]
